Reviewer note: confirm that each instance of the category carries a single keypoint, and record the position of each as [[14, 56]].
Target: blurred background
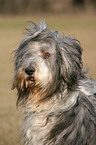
[[73, 18], [30, 6]]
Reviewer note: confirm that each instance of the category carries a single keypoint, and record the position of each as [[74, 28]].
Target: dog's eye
[[46, 54]]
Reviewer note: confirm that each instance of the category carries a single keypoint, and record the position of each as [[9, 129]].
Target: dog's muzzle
[[30, 73]]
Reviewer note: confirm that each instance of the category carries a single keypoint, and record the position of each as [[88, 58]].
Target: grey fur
[[59, 101]]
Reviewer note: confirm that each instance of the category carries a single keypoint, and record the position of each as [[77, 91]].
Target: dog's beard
[[23, 81], [25, 85]]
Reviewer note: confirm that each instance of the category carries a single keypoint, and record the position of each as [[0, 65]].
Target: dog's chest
[[37, 127]]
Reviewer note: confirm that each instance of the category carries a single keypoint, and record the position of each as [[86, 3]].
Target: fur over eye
[[46, 54]]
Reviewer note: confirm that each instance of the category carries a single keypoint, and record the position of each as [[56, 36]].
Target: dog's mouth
[[31, 78]]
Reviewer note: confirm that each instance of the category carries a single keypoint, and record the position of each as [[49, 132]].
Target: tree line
[[28, 6]]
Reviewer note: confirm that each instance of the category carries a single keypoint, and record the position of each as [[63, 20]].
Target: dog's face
[[45, 64], [37, 67]]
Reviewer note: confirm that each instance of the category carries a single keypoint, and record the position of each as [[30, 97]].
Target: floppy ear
[[71, 67]]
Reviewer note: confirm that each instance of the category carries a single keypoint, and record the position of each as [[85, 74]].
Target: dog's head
[[46, 63]]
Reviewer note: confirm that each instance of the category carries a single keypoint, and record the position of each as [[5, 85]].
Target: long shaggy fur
[[58, 99]]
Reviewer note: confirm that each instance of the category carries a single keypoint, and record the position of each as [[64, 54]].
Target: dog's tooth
[[26, 84], [22, 83]]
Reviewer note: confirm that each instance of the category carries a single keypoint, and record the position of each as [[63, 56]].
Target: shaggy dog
[[59, 101]]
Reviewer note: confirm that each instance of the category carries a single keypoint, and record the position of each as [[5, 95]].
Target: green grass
[[82, 27]]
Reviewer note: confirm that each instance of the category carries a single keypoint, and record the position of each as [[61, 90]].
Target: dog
[[58, 100]]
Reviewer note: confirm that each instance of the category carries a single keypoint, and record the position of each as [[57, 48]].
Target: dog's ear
[[71, 67]]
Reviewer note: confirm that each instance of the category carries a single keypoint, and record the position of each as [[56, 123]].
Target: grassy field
[[82, 27]]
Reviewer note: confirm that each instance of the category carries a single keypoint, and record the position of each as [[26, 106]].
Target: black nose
[[29, 70]]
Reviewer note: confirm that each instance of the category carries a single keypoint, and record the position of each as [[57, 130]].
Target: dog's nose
[[29, 70]]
